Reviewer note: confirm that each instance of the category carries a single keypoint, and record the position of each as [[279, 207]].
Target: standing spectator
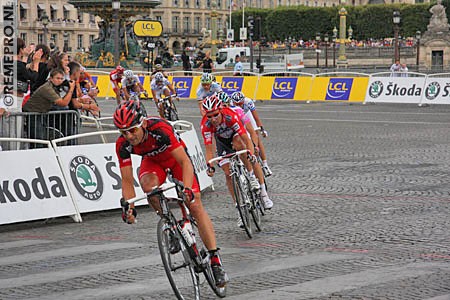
[[25, 74], [404, 70], [238, 67], [186, 64], [395, 69], [43, 70], [207, 63], [60, 60]]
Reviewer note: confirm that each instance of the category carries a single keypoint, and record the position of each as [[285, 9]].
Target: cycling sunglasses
[[214, 116], [131, 130]]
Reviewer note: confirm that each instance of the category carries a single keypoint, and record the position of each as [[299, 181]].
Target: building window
[[197, 24], [175, 25], [279, 3], [23, 36], [186, 24], [40, 11], [208, 23], [80, 41], [271, 4], [175, 3], [80, 17], [54, 37], [53, 12], [219, 4], [23, 12], [186, 3], [66, 14], [197, 3], [208, 4], [92, 19], [91, 39], [40, 38], [158, 18]]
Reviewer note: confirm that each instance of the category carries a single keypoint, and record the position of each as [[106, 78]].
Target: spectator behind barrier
[[43, 70], [42, 100]]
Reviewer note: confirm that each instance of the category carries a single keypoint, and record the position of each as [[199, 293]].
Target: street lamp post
[[342, 59], [290, 44], [45, 21], [418, 36], [396, 20], [325, 38], [214, 16], [116, 7], [317, 48], [334, 45]]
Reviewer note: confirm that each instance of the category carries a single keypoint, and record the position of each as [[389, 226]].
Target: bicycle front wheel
[[242, 204], [255, 210], [173, 114], [178, 266]]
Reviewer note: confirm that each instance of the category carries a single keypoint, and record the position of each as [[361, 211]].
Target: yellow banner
[[351, 89]]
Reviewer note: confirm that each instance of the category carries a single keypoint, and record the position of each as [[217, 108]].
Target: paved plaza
[[362, 211]]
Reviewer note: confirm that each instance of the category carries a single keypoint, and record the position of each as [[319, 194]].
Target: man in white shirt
[[238, 67]]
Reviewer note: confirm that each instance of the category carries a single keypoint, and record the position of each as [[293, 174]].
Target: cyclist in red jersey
[[224, 125], [85, 76], [116, 77], [161, 148]]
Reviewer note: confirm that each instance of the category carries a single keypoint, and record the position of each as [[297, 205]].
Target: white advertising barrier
[[93, 175], [395, 89], [32, 187], [198, 158], [437, 90]]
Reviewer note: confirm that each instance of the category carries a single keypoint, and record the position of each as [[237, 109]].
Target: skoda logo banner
[[86, 178]]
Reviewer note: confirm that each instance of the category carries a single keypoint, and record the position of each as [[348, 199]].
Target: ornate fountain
[[102, 50]]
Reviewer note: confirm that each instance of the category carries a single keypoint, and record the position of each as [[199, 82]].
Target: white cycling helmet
[[159, 77], [206, 78], [238, 97], [211, 103], [128, 74]]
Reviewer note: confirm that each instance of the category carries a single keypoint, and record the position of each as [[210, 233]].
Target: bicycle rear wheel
[[241, 204], [179, 267]]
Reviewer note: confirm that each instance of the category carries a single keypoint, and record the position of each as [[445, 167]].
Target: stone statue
[[438, 21]]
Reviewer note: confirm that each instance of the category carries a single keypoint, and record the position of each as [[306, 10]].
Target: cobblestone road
[[362, 206]]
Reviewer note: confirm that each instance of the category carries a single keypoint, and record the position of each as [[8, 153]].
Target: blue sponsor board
[[232, 84], [284, 88], [183, 86], [339, 89], [95, 79], [141, 79]]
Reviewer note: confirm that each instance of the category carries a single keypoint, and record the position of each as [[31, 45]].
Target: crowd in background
[[47, 81], [305, 44]]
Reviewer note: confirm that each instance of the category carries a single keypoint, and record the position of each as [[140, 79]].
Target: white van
[[225, 57]]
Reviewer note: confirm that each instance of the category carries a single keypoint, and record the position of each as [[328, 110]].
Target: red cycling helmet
[[120, 69], [211, 103], [128, 114]]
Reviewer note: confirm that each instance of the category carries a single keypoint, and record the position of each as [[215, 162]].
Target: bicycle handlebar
[[211, 161], [157, 190]]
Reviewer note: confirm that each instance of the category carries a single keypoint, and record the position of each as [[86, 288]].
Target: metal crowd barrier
[[46, 126]]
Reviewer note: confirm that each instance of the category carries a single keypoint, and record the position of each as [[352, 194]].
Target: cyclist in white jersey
[[160, 85], [207, 88], [249, 108], [130, 83]]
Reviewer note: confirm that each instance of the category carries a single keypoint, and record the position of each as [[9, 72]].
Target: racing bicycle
[[191, 258], [248, 202], [169, 109]]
